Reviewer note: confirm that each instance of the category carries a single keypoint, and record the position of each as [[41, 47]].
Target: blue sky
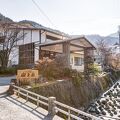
[[70, 16]]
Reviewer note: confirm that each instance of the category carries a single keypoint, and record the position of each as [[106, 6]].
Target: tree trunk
[[4, 63]]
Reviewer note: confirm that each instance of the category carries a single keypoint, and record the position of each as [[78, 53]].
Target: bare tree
[[9, 36], [104, 52], [115, 61]]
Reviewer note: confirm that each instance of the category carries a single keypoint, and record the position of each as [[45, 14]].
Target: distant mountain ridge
[[110, 39], [114, 35]]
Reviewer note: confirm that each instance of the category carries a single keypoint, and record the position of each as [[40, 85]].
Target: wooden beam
[[79, 46], [31, 35], [66, 52]]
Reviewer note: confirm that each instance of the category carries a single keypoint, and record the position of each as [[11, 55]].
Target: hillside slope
[[6, 19]]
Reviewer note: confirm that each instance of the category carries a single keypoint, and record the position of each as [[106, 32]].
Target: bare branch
[[11, 36]]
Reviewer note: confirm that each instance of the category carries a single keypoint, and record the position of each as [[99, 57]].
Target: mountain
[[114, 35], [110, 40], [94, 38], [39, 26], [33, 24], [6, 19]]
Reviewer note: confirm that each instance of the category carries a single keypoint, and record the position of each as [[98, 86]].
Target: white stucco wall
[[35, 35], [27, 38], [30, 36], [14, 57], [36, 56], [20, 42], [43, 36]]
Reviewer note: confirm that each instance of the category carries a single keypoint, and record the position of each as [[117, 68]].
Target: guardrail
[[53, 105]]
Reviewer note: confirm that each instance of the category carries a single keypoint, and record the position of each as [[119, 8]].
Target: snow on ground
[[108, 106]]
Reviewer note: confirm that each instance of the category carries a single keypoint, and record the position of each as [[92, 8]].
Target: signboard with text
[[27, 74]]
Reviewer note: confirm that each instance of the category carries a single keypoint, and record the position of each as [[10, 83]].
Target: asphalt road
[[14, 108], [4, 83]]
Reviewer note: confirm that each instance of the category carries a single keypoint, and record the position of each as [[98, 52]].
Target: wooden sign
[[27, 75]]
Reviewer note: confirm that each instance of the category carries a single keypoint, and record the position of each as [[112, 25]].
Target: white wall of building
[[35, 35], [36, 54], [20, 42], [43, 36], [14, 57], [30, 36], [27, 38]]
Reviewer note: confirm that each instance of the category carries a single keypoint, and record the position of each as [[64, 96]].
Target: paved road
[[4, 83], [14, 108], [6, 80]]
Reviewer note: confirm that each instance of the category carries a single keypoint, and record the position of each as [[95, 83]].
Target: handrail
[[74, 110], [28, 94], [45, 98], [58, 105]]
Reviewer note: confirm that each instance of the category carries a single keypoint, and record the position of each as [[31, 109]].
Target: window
[[26, 54], [49, 54], [78, 61]]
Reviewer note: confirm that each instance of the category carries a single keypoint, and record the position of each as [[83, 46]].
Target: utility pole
[[119, 37]]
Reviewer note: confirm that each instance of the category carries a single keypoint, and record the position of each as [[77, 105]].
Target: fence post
[[51, 106], [18, 92], [11, 89], [37, 101], [27, 97], [69, 114]]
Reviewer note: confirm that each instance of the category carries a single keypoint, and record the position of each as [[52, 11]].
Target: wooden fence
[[54, 106]]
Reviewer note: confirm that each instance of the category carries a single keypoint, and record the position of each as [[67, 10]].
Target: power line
[[43, 13]]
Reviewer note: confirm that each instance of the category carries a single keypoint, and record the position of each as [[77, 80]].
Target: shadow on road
[[24, 105]]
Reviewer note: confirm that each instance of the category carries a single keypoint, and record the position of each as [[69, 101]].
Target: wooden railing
[[53, 105], [31, 95], [73, 113]]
